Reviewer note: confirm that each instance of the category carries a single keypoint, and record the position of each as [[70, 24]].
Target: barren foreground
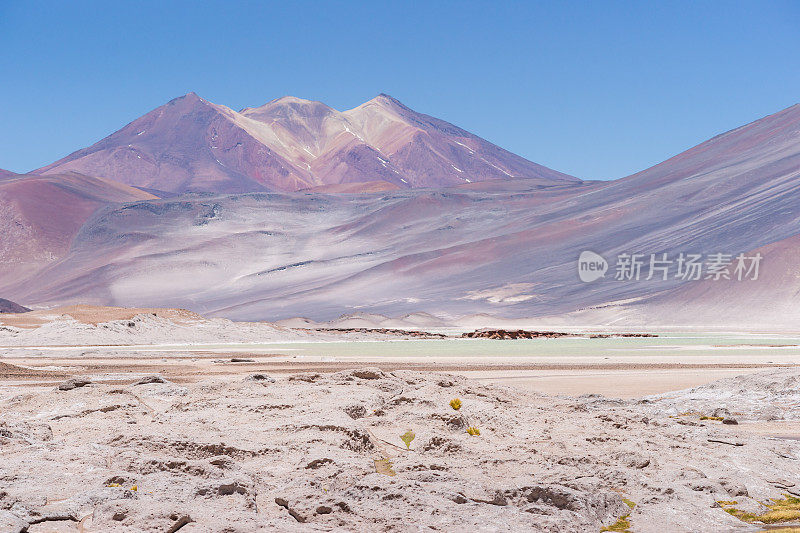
[[323, 452]]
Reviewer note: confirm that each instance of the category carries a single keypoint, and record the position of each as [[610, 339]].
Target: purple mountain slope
[[40, 215], [509, 249], [7, 306], [289, 144]]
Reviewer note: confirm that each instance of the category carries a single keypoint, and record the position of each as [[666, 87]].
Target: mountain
[[768, 302], [41, 214], [510, 249], [289, 144], [6, 173], [7, 306]]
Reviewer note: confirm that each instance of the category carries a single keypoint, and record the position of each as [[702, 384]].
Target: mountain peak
[[188, 99], [289, 99], [387, 101], [287, 104]]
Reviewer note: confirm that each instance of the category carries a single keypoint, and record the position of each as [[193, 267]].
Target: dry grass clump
[[623, 524], [780, 510], [384, 466], [407, 437]]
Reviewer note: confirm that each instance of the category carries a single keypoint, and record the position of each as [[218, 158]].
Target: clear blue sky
[[594, 89]]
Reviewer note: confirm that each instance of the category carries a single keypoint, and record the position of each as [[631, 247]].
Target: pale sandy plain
[[263, 427]]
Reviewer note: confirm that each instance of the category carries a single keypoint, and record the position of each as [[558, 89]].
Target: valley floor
[[574, 434]]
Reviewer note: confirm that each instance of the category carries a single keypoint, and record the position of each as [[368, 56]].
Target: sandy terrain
[[312, 452], [294, 435]]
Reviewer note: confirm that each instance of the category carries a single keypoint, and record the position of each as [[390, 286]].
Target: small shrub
[[384, 466], [474, 431], [629, 503], [622, 525], [455, 403], [786, 509], [407, 437]]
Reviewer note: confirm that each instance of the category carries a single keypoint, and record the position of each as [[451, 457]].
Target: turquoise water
[[670, 344]]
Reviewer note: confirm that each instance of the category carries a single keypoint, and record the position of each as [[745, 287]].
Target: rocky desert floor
[[103, 438]]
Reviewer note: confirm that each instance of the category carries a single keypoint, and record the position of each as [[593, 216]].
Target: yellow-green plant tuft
[[622, 525], [455, 403], [474, 431], [407, 437], [785, 509], [384, 466], [629, 503]]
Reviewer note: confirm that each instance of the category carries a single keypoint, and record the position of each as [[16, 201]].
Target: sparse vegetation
[[455, 403], [407, 437], [718, 418], [629, 503], [474, 431], [384, 466], [623, 524], [780, 510]]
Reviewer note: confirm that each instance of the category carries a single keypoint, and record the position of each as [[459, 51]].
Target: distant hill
[[7, 306], [40, 215]]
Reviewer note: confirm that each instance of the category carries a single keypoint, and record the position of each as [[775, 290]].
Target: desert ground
[[162, 420]]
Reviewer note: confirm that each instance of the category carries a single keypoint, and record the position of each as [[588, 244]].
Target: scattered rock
[[503, 334], [26, 431], [324, 509], [368, 373], [316, 463], [242, 360], [356, 411], [262, 378], [733, 487], [732, 443], [74, 383], [730, 421], [282, 502], [382, 331], [307, 377], [155, 378], [180, 521]]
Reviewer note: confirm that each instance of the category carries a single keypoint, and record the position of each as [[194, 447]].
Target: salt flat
[[615, 367]]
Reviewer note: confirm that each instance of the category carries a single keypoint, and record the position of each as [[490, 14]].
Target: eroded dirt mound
[[92, 314]]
